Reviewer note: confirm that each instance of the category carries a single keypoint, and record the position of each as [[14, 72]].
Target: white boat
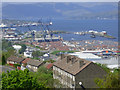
[[3, 25]]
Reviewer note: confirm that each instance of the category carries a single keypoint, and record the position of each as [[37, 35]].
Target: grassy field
[[57, 52]]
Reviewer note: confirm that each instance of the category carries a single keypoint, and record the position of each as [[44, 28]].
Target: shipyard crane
[[32, 34], [42, 28], [46, 33], [45, 28]]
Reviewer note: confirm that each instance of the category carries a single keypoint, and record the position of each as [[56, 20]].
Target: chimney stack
[[68, 59], [73, 59], [81, 63], [62, 56]]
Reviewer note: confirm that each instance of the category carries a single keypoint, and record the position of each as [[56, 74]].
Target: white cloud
[[60, 0]]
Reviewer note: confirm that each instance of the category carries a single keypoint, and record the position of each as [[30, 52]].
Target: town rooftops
[[49, 66], [15, 59], [26, 60], [71, 64], [35, 62]]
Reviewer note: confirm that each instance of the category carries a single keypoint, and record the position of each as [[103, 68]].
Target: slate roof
[[15, 59], [35, 62], [72, 64]]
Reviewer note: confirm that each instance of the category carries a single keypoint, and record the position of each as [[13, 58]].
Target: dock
[[95, 33]]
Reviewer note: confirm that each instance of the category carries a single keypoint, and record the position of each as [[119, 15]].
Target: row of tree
[[15, 79], [7, 51]]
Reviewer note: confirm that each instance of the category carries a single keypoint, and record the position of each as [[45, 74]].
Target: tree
[[6, 45], [112, 80], [104, 67], [36, 54], [7, 54], [45, 76], [22, 49], [20, 79], [3, 60]]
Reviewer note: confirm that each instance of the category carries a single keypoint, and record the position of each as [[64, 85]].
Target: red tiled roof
[[49, 65], [117, 51], [26, 60]]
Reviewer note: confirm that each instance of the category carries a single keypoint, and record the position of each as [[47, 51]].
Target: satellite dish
[[17, 47]]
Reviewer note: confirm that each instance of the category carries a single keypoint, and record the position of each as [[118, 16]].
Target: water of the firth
[[111, 26]]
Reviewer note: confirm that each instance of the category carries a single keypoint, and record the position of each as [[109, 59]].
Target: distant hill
[[60, 10]]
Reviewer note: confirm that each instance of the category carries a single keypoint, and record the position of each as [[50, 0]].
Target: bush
[[57, 52], [110, 81], [17, 79], [16, 65]]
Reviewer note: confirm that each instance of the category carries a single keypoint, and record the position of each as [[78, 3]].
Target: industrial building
[[87, 56]]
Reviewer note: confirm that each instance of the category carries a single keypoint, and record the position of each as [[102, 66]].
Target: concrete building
[[71, 71]]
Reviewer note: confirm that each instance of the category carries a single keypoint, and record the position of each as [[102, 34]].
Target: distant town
[[73, 64]]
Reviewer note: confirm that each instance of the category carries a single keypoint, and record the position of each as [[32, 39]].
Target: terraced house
[[14, 60], [71, 71]]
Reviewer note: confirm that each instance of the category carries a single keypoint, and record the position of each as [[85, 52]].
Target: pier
[[95, 33]]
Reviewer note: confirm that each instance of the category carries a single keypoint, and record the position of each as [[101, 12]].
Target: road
[[5, 68]]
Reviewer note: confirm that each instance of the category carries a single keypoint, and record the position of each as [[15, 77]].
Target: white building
[[28, 53], [87, 56], [3, 25], [110, 63], [11, 37]]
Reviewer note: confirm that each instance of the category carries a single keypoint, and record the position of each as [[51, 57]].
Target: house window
[[35, 67], [29, 66], [73, 85], [11, 62], [70, 76], [53, 68], [73, 78]]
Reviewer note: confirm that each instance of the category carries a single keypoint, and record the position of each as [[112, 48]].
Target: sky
[[36, 1], [60, 0]]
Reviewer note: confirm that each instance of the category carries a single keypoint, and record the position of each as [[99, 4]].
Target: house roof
[[15, 59], [26, 60], [49, 65], [71, 64], [34, 62]]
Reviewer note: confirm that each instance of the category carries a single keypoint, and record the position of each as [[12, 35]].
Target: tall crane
[[45, 29], [32, 34]]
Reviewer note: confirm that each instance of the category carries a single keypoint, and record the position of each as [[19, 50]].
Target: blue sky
[[59, 0]]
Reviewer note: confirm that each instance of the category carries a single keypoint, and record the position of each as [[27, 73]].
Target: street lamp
[[82, 85]]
